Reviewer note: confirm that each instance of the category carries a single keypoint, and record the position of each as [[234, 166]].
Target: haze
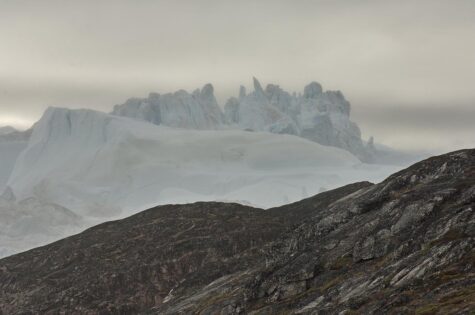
[[407, 67]]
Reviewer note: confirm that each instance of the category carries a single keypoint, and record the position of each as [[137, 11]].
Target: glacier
[[198, 110], [317, 115], [12, 143], [83, 167], [7, 130]]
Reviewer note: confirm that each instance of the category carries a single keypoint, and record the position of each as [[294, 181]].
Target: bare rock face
[[403, 246]]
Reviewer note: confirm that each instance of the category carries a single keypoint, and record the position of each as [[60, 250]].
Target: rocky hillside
[[404, 246]]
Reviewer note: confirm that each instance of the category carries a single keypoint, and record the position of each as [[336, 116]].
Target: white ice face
[[83, 167], [6, 130], [198, 110], [317, 115]]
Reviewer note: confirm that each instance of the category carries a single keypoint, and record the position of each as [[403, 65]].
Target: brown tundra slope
[[403, 246]]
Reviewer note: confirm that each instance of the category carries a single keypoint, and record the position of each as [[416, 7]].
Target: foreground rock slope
[[403, 246]]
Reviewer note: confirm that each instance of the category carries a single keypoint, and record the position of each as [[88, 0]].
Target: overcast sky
[[407, 67]]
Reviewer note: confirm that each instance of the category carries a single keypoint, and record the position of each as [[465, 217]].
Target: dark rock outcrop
[[403, 246]]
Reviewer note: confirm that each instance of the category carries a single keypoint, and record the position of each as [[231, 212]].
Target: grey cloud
[[427, 127], [429, 116]]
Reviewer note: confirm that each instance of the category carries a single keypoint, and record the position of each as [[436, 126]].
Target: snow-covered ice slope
[[98, 164], [9, 152], [31, 223], [83, 167], [197, 110], [6, 130], [317, 115], [12, 142]]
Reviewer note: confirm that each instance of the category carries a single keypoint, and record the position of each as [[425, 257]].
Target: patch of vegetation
[[449, 275], [449, 236], [428, 309], [341, 262], [381, 262], [331, 283], [464, 295], [299, 296], [214, 300], [450, 303]]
